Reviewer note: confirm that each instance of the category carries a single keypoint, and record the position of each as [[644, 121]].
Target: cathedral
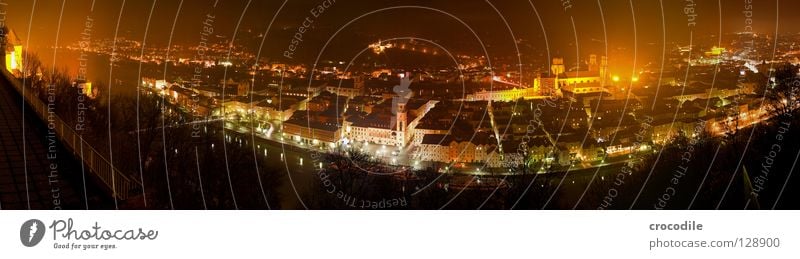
[[592, 80]]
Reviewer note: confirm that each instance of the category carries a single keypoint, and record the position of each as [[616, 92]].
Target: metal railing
[[121, 186]]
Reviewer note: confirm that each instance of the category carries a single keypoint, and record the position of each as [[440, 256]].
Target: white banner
[[399, 234]]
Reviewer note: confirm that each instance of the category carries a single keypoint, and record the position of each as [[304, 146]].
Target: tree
[[782, 93]]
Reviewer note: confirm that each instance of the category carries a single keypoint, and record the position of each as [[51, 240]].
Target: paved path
[[41, 188]]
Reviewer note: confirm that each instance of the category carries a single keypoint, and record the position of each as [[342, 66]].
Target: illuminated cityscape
[[378, 105]]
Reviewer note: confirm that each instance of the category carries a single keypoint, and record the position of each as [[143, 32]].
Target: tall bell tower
[[402, 117], [557, 67], [399, 113], [603, 69]]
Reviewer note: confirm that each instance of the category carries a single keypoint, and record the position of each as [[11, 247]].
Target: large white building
[[379, 128], [349, 88], [592, 80]]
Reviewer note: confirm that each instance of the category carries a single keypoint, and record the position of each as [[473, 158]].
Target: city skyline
[[424, 104], [531, 24]]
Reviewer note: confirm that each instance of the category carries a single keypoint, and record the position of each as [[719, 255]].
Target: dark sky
[[42, 20]]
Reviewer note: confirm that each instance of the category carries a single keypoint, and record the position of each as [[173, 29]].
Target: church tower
[[402, 118], [402, 124], [557, 67], [593, 66], [603, 69]]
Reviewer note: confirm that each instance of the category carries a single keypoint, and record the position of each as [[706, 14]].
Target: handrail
[[122, 187]]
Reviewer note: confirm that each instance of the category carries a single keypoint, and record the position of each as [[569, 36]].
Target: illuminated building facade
[[592, 80], [86, 89], [376, 130], [445, 148], [380, 128], [504, 95], [348, 88], [231, 87], [13, 53], [315, 134]]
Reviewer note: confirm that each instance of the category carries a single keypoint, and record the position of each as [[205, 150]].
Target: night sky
[[618, 16]]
